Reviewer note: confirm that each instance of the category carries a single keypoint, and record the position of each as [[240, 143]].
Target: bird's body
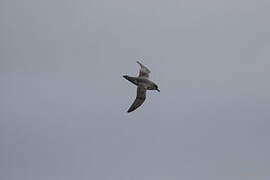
[[143, 83]]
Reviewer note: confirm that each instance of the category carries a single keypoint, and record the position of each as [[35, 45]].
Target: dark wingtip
[[130, 110], [139, 63], [125, 76]]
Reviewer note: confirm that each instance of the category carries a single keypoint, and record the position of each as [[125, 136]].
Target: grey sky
[[63, 100]]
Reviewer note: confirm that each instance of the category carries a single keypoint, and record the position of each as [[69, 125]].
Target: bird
[[143, 84]]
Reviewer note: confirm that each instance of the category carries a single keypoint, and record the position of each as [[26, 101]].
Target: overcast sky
[[63, 99]]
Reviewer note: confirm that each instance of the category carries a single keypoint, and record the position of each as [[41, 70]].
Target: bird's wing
[[141, 96], [144, 71]]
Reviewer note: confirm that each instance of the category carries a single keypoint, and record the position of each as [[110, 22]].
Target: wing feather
[[144, 71], [141, 96]]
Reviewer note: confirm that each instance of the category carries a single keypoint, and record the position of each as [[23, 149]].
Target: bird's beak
[[158, 90]]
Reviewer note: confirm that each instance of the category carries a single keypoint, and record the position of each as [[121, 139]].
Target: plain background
[[63, 100]]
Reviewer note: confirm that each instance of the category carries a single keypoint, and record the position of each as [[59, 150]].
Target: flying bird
[[143, 83]]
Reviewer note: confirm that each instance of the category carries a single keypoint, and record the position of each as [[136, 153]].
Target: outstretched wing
[[144, 71], [141, 96]]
